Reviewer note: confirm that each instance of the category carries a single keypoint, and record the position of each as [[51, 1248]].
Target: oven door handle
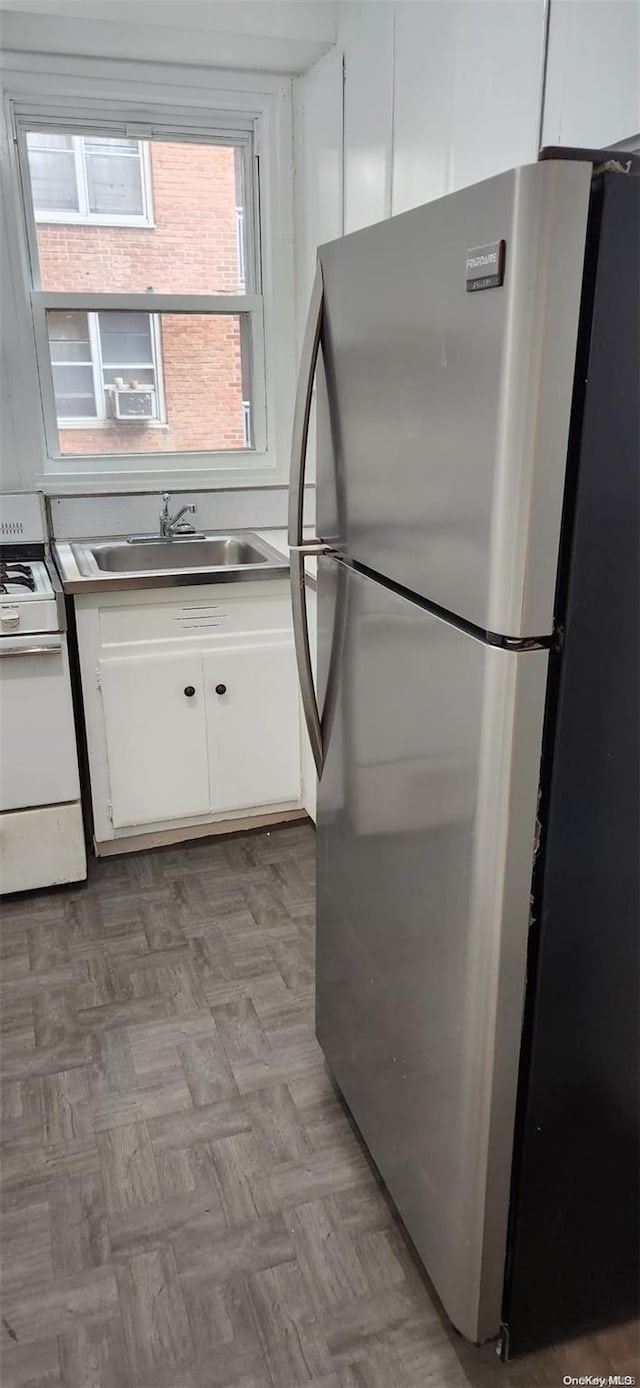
[[42, 648]]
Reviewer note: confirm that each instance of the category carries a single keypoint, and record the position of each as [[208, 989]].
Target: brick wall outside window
[[191, 249]]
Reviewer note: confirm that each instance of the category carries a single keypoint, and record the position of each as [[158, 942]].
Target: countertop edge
[[74, 583]]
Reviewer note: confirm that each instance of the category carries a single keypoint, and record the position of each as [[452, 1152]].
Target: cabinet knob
[[221, 689], [190, 690]]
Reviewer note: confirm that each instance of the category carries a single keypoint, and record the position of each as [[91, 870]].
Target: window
[[72, 365], [76, 178], [149, 334], [104, 366]]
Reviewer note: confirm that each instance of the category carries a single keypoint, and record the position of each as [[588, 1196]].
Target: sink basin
[[151, 563], [221, 551]]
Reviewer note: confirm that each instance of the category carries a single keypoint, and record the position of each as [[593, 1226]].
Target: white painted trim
[[93, 219], [233, 474], [105, 119], [113, 78], [96, 362], [147, 303], [225, 824], [241, 467], [158, 368], [191, 103]]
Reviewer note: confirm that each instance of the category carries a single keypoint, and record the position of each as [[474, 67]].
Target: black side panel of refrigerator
[[573, 1248]]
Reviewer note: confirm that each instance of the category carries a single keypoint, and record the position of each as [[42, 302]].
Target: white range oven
[[41, 828]]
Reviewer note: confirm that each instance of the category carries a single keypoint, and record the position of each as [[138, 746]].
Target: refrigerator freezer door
[[443, 430], [426, 829]]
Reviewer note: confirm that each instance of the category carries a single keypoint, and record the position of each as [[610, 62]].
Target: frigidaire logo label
[[485, 266]]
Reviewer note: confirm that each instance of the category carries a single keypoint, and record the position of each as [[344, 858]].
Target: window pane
[[114, 182], [44, 139], [70, 351], [194, 394], [99, 144], [72, 371], [73, 386], [68, 325], [68, 336], [198, 239], [53, 173], [118, 375], [125, 338]]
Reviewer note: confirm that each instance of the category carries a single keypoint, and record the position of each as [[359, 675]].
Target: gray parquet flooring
[[184, 1200]]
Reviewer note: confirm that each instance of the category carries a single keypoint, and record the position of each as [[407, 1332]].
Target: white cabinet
[[592, 92], [155, 729], [164, 758], [252, 704]]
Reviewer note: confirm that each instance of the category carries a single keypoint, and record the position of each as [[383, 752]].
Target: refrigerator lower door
[[426, 836]]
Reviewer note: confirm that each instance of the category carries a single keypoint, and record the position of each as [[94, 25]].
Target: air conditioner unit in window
[[134, 404]]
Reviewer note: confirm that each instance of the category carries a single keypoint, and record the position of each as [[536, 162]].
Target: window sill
[[213, 472]]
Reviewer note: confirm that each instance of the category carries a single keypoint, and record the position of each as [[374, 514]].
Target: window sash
[[241, 138], [147, 303], [155, 305]]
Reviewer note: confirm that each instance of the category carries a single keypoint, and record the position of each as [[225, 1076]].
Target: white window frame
[[84, 216], [241, 247], [249, 302], [101, 419], [141, 100]]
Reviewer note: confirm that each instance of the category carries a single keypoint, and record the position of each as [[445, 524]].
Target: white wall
[[438, 94], [318, 145], [366, 36], [281, 36], [593, 74], [318, 184], [20, 436], [441, 93]]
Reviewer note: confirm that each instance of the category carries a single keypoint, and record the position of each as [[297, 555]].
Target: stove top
[[27, 597], [22, 579], [16, 575]]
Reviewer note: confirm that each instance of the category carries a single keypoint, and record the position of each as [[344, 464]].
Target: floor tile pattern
[[185, 1203]]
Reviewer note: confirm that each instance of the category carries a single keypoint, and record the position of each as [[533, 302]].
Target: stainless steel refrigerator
[[474, 726]]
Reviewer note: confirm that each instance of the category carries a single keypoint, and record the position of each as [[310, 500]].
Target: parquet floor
[[185, 1202]]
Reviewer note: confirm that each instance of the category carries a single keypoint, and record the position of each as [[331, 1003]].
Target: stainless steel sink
[[118, 563], [221, 551]]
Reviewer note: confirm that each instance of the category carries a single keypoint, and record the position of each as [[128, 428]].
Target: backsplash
[[77, 517]]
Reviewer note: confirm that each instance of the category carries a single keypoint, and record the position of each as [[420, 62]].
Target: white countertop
[[278, 538]]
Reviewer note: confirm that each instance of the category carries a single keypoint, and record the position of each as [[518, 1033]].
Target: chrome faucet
[[170, 526]]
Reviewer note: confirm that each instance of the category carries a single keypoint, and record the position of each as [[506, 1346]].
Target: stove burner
[[19, 575]]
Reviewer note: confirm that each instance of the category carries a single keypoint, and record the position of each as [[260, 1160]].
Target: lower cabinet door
[[254, 741], [155, 725]]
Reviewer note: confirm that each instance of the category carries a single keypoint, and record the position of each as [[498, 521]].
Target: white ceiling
[[284, 36]]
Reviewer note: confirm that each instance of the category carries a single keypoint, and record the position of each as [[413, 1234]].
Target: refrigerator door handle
[[302, 409], [297, 546], [303, 657]]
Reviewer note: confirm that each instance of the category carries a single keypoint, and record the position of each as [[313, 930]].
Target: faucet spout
[[170, 526]]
